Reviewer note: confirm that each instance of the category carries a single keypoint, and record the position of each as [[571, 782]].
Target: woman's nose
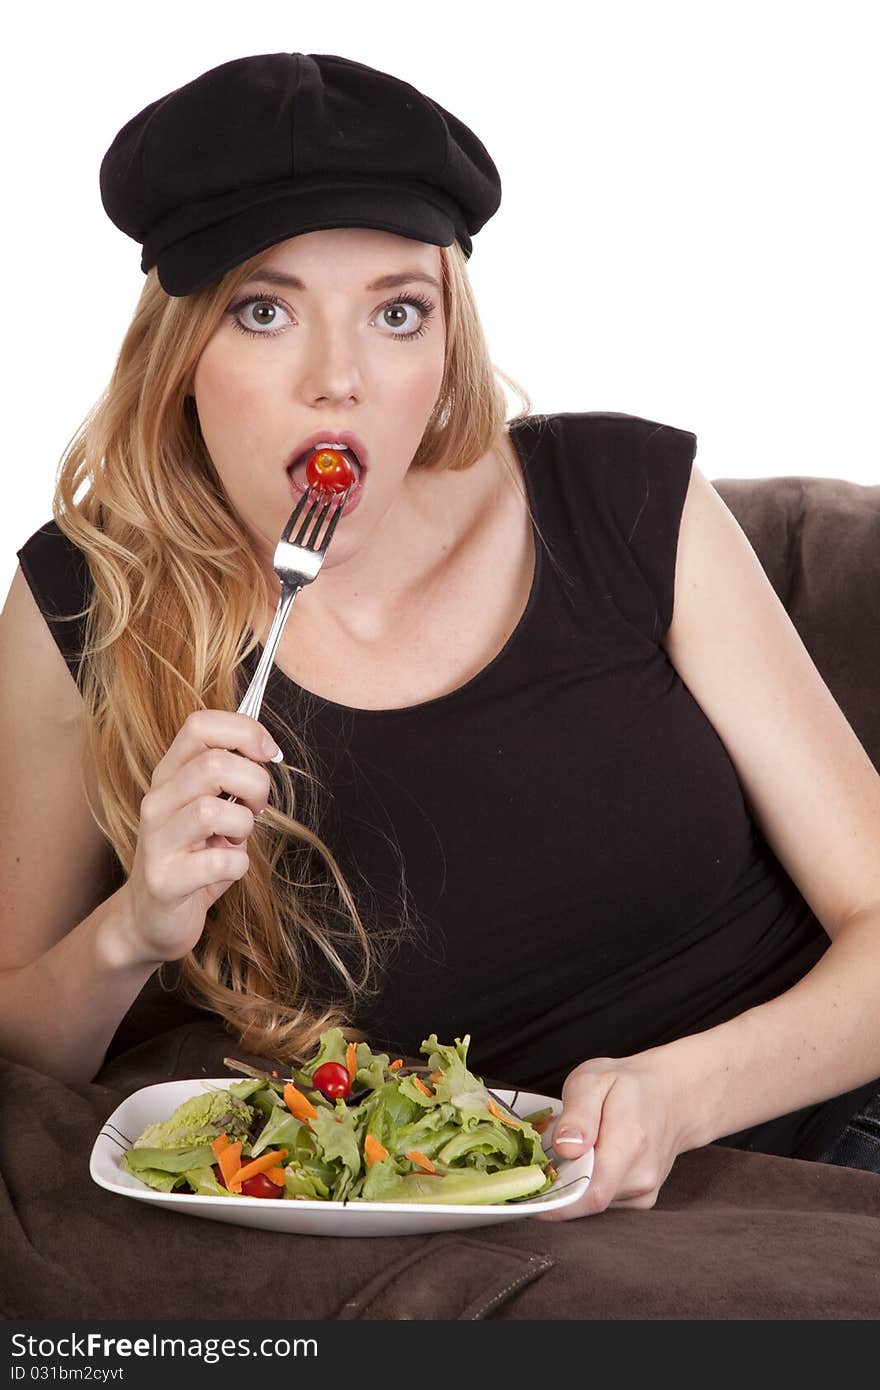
[[331, 366]]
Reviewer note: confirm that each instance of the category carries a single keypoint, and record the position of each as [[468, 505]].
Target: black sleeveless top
[[567, 827]]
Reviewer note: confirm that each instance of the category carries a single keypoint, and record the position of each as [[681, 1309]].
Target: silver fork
[[298, 557]]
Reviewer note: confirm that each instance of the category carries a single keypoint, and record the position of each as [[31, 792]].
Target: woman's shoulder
[[612, 455], [49, 539], [54, 565], [609, 489], [59, 578], [600, 428]]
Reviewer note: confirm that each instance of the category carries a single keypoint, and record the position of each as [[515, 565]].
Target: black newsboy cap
[[262, 148]]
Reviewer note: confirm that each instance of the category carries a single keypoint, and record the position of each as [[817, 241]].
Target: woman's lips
[[299, 484]]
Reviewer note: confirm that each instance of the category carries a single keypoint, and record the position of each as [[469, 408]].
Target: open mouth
[[299, 483]]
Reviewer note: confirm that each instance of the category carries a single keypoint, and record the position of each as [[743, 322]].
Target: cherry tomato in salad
[[332, 1080], [257, 1186], [260, 1186], [329, 471]]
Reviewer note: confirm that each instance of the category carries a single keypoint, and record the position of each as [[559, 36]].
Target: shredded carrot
[[298, 1104], [258, 1165], [229, 1160], [417, 1081], [274, 1073], [351, 1060], [436, 1076], [542, 1125], [500, 1115], [219, 1144], [373, 1150], [421, 1161], [276, 1175], [396, 1064]]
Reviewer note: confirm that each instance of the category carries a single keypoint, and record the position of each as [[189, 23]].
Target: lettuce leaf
[[139, 1159], [466, 1187]]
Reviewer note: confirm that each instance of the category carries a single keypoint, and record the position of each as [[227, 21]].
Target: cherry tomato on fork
[[329, 471], [332, 1080]]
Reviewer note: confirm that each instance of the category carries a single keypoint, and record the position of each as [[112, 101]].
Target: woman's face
[[335, 352]]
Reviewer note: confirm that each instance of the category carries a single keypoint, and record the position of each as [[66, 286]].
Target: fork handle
[[253, 697]]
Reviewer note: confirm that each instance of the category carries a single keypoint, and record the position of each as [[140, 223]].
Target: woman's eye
[[412, 312], [264, 314], [402, 315], [260, 313]]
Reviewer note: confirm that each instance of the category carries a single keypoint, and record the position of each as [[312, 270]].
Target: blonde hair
[[177, 601]]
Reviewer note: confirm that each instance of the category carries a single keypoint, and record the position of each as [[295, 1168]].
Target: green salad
[[350, 1126]]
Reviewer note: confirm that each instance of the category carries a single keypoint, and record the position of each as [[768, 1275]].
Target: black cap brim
[[195, 261]]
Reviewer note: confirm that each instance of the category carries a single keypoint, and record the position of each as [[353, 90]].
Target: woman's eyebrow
[[384, 282]]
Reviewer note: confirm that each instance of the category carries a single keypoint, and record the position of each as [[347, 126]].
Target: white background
[[688, 231]]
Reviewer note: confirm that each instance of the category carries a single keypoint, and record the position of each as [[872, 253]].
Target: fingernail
[[568, 1136], [278, 757], [271, 749]]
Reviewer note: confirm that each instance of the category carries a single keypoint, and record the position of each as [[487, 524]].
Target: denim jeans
[[859, 1144]]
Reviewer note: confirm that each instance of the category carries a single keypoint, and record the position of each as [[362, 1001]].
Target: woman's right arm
[[72, 957], [58, 1013]]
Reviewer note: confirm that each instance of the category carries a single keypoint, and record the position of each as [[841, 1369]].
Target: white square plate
[[153, 1103]]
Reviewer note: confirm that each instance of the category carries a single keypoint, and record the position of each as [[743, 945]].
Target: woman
[[513, 801]]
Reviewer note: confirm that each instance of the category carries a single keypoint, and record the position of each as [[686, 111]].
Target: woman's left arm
[[815, 795]]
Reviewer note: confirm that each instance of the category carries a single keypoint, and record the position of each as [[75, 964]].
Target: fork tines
[[302, 519]]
